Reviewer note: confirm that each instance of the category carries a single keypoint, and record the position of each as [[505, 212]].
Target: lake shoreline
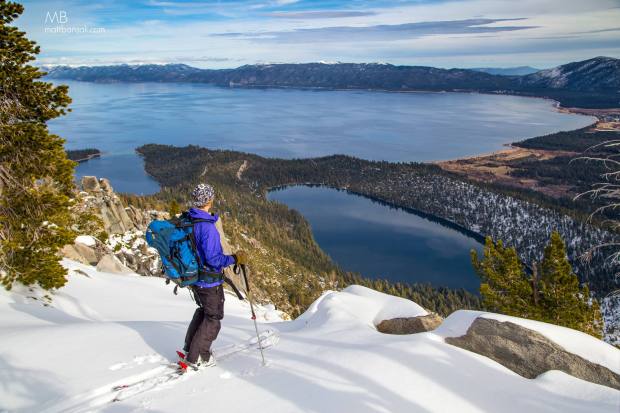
[[495, 167], [420, 248], [433, 218], [241, 86], [83, 155]]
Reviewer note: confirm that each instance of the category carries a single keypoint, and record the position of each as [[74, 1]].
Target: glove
[[241, 258]]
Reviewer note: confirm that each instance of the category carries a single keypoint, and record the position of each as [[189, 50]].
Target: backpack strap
[[234, 287], [203, 275], [181, 222]]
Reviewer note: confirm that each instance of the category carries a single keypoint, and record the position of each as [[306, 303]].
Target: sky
[[224, 34]]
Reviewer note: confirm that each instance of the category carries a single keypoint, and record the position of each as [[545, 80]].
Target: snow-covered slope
[[103, 330]]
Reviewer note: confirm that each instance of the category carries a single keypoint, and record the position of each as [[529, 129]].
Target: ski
[[174, 371]]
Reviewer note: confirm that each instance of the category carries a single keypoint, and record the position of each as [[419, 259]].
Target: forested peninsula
[[520, 218]]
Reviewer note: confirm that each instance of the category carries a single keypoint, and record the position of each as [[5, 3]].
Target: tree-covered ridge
[[590, 83], [578, 141], [514, 218], [82, 155], [573, 166], [288, 265]]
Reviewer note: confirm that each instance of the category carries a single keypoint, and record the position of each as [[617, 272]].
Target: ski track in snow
[[109, 330], [163, 376]]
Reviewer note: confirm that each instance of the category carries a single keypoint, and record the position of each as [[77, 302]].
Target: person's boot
[[198, 365]]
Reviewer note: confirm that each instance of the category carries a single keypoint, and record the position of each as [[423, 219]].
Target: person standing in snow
[[209, 296]]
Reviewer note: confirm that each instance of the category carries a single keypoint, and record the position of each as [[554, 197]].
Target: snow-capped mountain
[[104, 343], [597, 74], [590, 83]]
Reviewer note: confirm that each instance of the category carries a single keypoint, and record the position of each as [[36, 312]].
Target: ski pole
[[249, 297]]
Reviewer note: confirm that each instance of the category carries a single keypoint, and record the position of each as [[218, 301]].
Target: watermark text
[[57, 21]]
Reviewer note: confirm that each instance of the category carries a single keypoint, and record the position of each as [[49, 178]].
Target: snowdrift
[[105, 330]]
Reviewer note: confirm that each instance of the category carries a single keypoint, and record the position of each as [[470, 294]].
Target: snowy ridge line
[[331, 359]]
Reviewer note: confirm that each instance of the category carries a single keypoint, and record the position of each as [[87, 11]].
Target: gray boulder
[[109, 263], [90, 184], [410, 325], [529, 353], [87, 252], [69, 251], [106, 187], [81, 253]]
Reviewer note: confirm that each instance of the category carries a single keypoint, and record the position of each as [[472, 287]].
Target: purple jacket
[[208, 245]]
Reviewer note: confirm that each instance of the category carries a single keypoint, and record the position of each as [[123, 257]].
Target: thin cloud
[[613, 29], [186, 8], [327, 14], [380, 32]]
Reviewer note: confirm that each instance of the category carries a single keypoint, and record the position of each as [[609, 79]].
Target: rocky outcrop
[[117, 219], [126, 249], [133, 251], [102, 198], [410, 325], [77, 253], [529, 353], [87, 253], [109, 263], [125, 227]]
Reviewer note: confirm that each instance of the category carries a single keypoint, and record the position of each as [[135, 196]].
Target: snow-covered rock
[[104, 330], [529, 353], [576, 342], [87, 240]]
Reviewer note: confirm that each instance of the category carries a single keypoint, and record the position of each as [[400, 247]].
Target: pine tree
[[36, 178], [551, 294], [174, 208], [563, 302], [504, 287]]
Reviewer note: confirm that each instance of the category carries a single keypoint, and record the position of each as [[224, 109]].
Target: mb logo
[[58, 17]]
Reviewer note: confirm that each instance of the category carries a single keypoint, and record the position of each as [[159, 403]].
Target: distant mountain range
[[507, 71], [593, 83]]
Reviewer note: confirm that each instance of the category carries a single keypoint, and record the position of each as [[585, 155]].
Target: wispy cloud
[[613, 29], [227, 33], [231, 7], [326, 14], [380, 32]]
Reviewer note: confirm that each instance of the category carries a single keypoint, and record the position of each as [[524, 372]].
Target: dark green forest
[[522, 219], [578, 140], [283, 233], [82, 155], [579, 169]]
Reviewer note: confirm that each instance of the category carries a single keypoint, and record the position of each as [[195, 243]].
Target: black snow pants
[[205, 325]]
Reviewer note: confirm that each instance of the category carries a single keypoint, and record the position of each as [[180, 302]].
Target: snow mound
[[106, 330], [576, 342], [86, 240], [357, 306]]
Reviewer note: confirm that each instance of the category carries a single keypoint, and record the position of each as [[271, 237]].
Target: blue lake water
[[377, 240], [119, 117]]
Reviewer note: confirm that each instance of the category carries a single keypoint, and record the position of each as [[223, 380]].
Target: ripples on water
[[117, 118]]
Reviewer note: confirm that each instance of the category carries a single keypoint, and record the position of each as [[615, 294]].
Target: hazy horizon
[[225, 34]]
